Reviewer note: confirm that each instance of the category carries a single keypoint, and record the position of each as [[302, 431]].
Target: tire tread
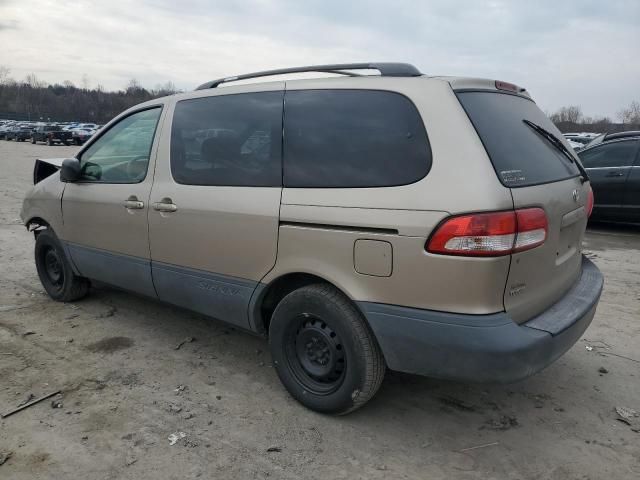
[[374, 360]]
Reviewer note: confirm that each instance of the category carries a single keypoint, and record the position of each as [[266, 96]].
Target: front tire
[[323, 350], [55, 272]]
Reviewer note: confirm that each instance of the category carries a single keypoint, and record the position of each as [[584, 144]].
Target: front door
[[105, 212], [608, 166], [215, 201]]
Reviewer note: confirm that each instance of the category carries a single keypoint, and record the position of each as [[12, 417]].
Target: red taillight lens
[[590, 201], [490, 234]]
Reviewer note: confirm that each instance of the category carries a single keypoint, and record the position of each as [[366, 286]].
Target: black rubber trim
[[344, 228]]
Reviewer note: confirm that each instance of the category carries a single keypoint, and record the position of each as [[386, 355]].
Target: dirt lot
[[126, 388]]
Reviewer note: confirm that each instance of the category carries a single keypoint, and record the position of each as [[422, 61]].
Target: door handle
[[132, 203], [165, 205], [615, 174]]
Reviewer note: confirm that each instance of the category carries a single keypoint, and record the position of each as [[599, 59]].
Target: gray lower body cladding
[[484, 348], [219, 296]]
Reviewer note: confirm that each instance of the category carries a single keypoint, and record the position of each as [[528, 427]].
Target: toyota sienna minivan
[[429, 225]]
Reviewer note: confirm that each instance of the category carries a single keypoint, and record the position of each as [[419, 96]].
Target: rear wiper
[[553, 140]]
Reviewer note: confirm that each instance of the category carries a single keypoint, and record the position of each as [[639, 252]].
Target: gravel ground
[[126, 388]]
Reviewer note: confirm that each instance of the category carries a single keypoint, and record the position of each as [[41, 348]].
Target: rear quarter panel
[[461, 179]]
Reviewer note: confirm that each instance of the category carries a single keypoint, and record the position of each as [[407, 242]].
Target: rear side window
[[228, 140], [618, 154], [353, 138], [520, 156]]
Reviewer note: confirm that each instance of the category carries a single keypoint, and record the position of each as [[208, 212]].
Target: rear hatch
[[538, 173]]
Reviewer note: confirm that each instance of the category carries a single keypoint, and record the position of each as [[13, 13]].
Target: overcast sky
[[565, 52]]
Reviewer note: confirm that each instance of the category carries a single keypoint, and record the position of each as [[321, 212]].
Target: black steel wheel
[[323, 350], [53, 267], [315, 354], [55, 272]]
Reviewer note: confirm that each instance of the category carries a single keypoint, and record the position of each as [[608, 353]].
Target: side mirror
[[70, 170]]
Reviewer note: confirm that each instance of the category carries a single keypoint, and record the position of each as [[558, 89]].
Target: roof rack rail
[[385, 69]]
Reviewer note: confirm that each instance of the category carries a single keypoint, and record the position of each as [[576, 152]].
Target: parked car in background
[[342, 219], [4, 130], [19, 134], [52, 134], [582, 138], [9, 133], [81, 135], [614, 170], [612, 136], [579, 140], [575, 145]]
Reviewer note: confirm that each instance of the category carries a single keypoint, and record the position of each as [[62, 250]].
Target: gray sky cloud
[[564, 52]]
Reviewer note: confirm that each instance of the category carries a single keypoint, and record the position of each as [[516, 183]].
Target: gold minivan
[[430, 225]]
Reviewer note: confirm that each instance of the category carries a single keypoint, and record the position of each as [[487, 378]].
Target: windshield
[[520, 156]]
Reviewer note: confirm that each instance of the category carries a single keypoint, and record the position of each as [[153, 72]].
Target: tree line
[[34, 99], [571, 119]]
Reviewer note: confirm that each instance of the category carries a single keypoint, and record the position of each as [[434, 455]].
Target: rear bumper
[[484, 348]]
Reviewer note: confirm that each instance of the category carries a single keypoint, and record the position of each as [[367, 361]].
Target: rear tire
[[55, 272], [323, 350], [33, 140]]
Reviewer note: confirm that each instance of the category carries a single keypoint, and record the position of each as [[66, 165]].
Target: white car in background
[[575, 145]]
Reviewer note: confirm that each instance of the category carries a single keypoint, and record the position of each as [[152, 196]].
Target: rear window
[[520, 156], [353, 138]]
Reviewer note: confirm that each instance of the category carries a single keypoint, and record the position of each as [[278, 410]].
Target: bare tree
[[4, 74], [85, 82], [570, 114], [161, 90], [133, 85], [631, 114], [33, 81]]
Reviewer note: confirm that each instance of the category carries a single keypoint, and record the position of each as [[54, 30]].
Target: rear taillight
[[532, 229], [590, 201], [490, 234]]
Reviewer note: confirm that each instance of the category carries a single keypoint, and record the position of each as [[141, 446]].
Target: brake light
[[590, 202], [490, 234], [509, 87]]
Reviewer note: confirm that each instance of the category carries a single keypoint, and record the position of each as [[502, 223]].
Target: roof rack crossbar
[[385, 69]]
